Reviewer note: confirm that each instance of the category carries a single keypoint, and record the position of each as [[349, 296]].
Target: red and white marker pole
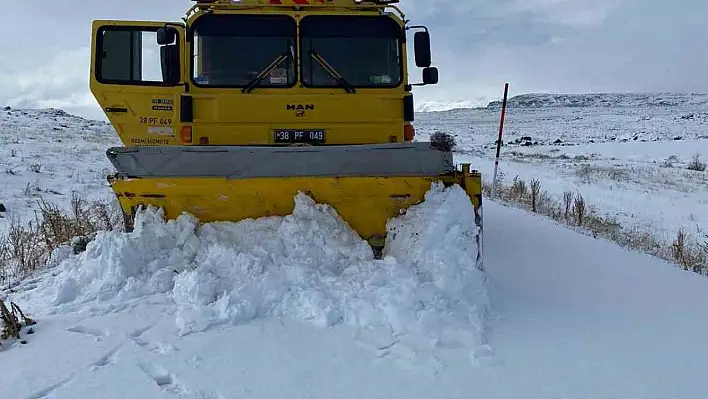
[[499, 140]]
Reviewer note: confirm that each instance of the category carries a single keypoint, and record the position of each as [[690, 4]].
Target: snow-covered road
[[572, 317], [583, 318]]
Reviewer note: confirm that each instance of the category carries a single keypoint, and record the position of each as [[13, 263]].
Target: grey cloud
[[573, 46], [573, 13], [48, 45], [536, 45]]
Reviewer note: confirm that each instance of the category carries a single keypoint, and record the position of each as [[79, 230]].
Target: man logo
[[301, 107]]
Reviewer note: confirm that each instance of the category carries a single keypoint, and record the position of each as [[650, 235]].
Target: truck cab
[[261, 72]]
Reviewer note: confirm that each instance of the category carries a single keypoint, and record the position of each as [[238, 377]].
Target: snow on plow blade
[[366, 184]]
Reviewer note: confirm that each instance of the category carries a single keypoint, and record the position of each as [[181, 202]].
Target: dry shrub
[[518, 188], [547, 205], [696, 164], [25, 248], [686, 255], [678, 247], [494, 190], [579, 209], [567, 202], [535, 189], [58, 228], [22, 249], [13, 321]]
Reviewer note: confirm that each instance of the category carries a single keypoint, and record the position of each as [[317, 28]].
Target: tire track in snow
[[98, 334], [403, 352], [108, 359], [154, 347], [170, 383], [46, 392]]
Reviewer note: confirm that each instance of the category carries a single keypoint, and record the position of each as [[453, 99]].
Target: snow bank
[[308, 265]]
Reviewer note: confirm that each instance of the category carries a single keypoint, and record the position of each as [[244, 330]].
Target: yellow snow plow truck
[[230, 112]]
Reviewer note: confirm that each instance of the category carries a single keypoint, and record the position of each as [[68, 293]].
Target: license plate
[[299, 136]]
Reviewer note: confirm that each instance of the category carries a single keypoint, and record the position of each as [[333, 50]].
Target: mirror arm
[[425, 28]]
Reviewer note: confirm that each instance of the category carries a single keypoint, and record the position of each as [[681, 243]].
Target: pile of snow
[[309, 265]]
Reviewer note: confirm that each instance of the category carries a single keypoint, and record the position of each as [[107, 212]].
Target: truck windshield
[[365, 51], [232, 50]]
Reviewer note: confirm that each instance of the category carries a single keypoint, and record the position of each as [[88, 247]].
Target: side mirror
[[430, 76], [170, 63], [166, 36], [421, 42]]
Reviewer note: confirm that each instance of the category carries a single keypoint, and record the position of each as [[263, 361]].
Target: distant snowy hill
[[589, 100], [48, 153], [437, 106], [623, 100]]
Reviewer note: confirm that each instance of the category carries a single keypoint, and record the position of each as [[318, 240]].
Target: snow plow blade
[[366, 184]]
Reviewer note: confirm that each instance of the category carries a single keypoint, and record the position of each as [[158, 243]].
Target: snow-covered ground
[[234, 310], [627, 155], [570, 317], [50, 154]]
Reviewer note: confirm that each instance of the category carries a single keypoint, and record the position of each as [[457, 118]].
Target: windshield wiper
[[265, 72], [332, 72]]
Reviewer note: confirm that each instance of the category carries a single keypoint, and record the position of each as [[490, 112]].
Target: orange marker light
[[408, 132], [185, 134]]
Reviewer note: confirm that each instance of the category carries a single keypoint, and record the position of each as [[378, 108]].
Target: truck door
[[137, 76]]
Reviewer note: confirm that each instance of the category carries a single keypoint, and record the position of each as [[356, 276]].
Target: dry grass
[[25, 248], [696, 164], [13, 321], [589, 172], [685, 251]]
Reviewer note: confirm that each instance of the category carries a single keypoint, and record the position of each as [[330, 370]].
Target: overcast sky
[[552, 46]]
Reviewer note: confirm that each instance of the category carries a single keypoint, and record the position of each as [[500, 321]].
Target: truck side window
[[130, 56]]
